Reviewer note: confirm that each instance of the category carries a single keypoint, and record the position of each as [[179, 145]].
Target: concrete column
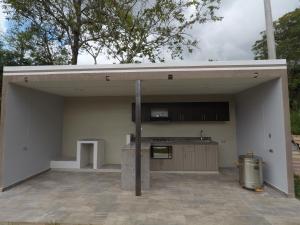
[[270, 30]]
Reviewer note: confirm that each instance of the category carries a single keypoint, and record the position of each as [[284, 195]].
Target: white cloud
[[233, 37], [85, 58]]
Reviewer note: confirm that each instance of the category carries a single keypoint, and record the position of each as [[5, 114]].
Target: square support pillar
[[138, 138]]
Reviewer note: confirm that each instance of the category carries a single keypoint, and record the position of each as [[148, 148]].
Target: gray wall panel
[[260, 113], [32, 132]]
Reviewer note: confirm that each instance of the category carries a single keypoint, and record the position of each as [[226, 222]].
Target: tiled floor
[[96, 198]]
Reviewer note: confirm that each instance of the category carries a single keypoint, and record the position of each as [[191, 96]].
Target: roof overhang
[[118, 79]]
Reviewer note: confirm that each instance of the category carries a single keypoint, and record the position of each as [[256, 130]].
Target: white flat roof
[[189, 78], [175, 66]]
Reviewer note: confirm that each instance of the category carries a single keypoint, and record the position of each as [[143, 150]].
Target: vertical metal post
[[270, 30], [138, 138]]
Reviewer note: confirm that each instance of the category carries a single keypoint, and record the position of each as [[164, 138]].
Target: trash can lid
[[250, 156]]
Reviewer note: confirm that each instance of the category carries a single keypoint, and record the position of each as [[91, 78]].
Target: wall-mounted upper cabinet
[[183, 111]]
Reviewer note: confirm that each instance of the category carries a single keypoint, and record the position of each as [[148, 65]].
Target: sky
[[229, 39]]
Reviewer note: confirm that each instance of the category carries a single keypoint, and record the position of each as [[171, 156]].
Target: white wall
[[109, 118], [259, 113], [32, 132]]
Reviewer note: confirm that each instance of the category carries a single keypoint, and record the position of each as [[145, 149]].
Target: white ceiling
[[149, 87], [199, 78]]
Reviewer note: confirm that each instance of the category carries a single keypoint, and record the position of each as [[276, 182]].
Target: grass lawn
[[297, 186]]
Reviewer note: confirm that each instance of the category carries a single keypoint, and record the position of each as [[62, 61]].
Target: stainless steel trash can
[[251, 171]]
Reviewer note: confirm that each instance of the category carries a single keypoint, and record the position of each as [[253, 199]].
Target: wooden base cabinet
[[189, 158], [211, 152], [174, 164], [200, 158], [189, 162]]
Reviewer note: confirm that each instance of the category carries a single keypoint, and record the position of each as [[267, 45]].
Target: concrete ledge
[[24, 180], [187, 172], [288, 195], [87, 170]]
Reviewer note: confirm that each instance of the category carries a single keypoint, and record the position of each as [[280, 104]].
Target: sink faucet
[[201, 135]]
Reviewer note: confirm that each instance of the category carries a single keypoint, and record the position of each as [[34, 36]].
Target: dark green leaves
[[287, 35], [128, 31]]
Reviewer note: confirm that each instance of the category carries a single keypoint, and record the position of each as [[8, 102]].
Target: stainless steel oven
[[161, 152]]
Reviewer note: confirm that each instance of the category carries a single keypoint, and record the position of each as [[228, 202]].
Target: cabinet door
[[155, 164], [174, 112], [176, 163], [222, 111], [200, 158], [188, 157], [145, 112], [212, 158]]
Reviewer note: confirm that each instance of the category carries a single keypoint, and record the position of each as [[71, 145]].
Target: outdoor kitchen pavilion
[[35, 100]]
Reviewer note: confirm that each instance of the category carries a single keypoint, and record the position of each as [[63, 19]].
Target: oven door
[[161, 152]]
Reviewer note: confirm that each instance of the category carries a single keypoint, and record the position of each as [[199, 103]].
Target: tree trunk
[[74, 58], [95, 60], [76, 32]]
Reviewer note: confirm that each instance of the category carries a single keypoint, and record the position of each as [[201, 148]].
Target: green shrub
[[295, 122], [297, 186]]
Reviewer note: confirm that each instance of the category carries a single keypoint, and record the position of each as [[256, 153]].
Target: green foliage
[[49, 29], [297, 186], [287, 35], [153, 30], [11, 57], [55, 31], [295, 121]]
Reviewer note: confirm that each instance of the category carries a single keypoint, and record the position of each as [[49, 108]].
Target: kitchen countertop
[[147, 142], [191, 142]]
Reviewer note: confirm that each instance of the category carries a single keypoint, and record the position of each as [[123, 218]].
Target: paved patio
[[96, 198]]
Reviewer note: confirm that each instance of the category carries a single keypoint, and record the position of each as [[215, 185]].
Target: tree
[[140, 29], [287, 36], [126, 30], [13, 57], [55, 23]]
